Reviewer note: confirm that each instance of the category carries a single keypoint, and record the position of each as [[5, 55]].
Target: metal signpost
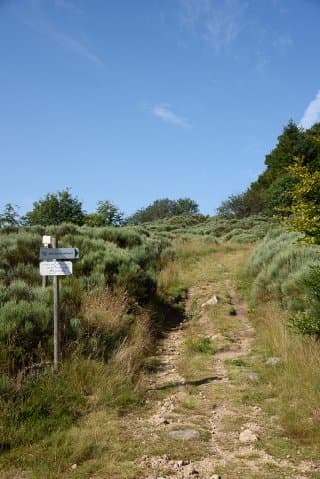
[[54, 265]]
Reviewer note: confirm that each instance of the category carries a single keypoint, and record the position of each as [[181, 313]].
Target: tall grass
[[294, 382], [284, 276], [105, 370]]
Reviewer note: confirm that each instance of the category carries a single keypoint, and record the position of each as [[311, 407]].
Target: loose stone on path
[[247, 436], [184, 434], [273, 361]]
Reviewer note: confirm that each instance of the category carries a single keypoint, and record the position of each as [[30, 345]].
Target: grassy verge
[[50, 422], [289, 384], [287, 365]]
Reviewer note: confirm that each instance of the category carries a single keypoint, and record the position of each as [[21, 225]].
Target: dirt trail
[[198, 426]]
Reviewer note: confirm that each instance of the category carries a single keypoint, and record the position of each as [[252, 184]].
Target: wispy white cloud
[[165, 113], [36, 16], [312, 113], [222, 24], [74, 45], [219, 22]]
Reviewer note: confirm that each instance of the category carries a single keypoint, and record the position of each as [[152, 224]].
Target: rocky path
[[199, 425]]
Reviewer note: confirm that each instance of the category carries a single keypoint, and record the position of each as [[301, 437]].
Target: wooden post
[[44, 281], [56, 331], [46, 243]]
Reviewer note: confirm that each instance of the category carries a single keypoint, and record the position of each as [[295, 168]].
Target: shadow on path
[[168, 317], [178, 384]]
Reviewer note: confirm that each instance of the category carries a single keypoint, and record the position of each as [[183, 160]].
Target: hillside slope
[[214, 393]]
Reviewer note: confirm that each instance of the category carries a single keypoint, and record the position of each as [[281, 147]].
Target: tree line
[[288, 188], [62, 206]]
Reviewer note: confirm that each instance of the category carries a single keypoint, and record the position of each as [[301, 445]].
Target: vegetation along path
[[228, 392], [203, 420]]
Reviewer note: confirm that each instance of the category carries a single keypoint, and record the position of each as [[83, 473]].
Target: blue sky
[[132, 101]]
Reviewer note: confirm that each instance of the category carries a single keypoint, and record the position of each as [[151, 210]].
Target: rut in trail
[[197, 426]]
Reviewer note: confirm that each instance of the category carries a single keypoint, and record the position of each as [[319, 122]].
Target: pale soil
[[202, 393]]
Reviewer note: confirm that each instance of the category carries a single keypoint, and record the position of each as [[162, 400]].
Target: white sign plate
[[55, 268], [46, 239]]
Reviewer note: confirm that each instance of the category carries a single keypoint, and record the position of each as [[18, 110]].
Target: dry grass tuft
[[105, 310], [295, 381], [130, 354]]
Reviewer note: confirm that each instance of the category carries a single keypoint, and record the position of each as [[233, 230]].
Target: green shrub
[[41, 406], [27, 272], [19, 290], [115, 257], [24, 332], [96, 280], [286, 271], [308, 321], [200, 345], [237, 362]]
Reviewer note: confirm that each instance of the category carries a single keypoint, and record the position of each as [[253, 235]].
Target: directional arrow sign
[[55, 268], [59, 253]]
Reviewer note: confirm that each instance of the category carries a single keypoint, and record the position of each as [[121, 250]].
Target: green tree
[[278, 194], [107, 214], [9, 216], [309, 151], [185, 206], [251, 202], [277, 181], [56, 208], [273, 191], [290, 144], [304, 211], [164, 208]]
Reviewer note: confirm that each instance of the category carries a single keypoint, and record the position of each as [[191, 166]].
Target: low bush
[[200, 345], [287, 271], [308, 320], [110, 257]]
